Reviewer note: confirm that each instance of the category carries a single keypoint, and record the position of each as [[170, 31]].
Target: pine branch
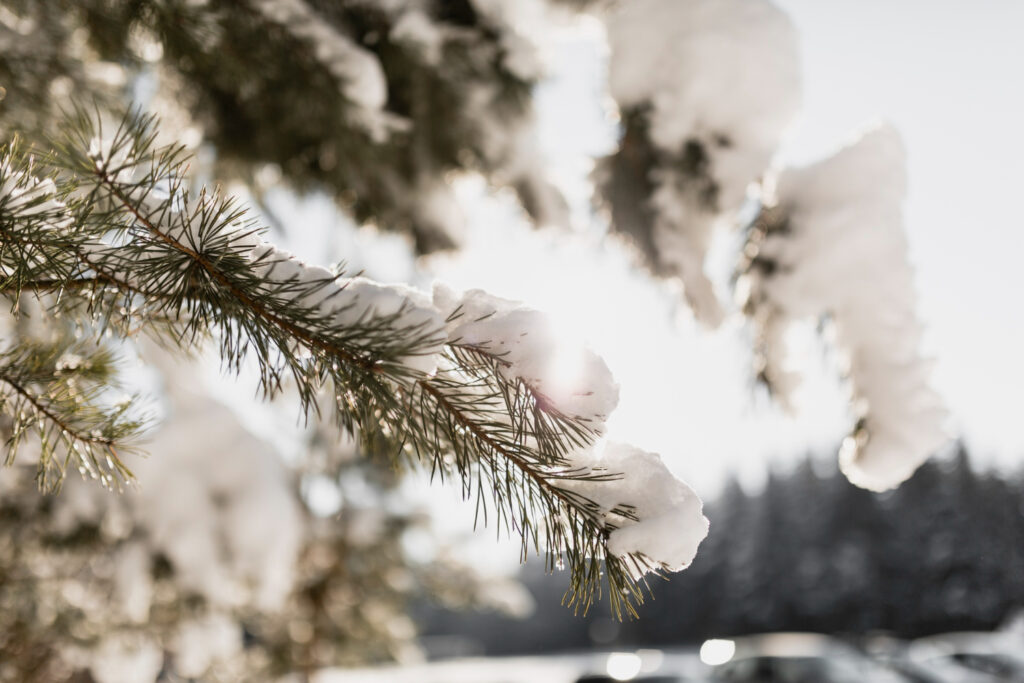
[[129, 232], [55, 391]]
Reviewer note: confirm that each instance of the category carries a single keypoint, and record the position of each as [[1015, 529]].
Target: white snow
[[723, 74], [572, 378], [124, 658], [133, 579], [669, 524], [348, 302], [845, 255], [415, 28], [438, 211], [520, 24], [709, 67], [358, 70], [23, 195], [204, 642], [216, 501], [577, 382]]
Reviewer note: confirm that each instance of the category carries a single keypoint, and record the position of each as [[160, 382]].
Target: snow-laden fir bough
[[459, 382]]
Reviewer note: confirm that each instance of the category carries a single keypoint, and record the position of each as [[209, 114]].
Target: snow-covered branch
[[468, 384], [706, 89]]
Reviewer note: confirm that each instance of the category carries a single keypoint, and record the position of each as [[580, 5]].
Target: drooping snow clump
[[669, 524], [715, 82], [836, 248], [572, 379]]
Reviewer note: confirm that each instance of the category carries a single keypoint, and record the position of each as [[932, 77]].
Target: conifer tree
[[108, 236]]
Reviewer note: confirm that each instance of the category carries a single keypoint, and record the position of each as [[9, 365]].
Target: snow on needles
[[840, 251], [718, 81], [563, 376], [347, 302], [669, 524], [572, 379], [23, 195]]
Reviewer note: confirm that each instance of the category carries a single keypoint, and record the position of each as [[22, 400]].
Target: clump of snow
[[133, 579], [669, 524], [416, 29], [719, 82], [571, 378], [519, 23], [438, 214], [204, 642], [709, 68], [506, 596], [842, 253], [358, 70], [212, 516], [23, 195], [346, 302], [124, 658]]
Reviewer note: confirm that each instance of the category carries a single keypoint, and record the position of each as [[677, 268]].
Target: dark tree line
[[811, 552]]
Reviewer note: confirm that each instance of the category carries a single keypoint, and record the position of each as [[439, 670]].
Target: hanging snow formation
[[706, 89], [833, 245], [669, 524]]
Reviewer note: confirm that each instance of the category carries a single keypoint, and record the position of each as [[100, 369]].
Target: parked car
[[799, 658], [968, 658]]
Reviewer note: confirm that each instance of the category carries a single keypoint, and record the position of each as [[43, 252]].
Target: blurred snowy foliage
[[705, 89]]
